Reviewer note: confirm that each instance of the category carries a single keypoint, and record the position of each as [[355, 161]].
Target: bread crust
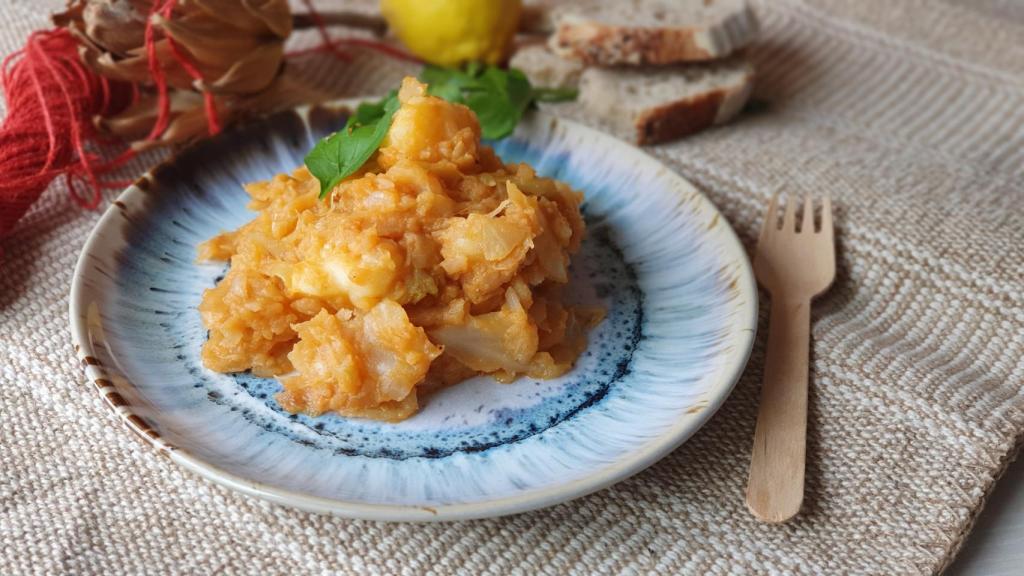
[[599, 44], [676, 119]]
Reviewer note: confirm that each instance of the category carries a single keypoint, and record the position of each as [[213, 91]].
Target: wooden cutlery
[[793, 265]]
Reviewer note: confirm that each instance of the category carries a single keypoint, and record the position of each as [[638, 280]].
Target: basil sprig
[[499, 97]]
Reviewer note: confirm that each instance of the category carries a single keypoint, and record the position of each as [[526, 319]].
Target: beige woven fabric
[[910, 114]]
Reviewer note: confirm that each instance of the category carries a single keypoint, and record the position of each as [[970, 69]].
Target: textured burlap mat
[[910, 114]]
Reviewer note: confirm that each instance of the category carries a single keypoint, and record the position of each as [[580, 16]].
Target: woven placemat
[[910, 115]]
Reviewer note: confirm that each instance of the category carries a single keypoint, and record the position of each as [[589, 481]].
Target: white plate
[[678, 286]]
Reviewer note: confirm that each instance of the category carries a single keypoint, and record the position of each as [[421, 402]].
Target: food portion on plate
[[432, 263]]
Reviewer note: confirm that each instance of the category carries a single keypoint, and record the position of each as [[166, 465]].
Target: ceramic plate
[[677, 285]]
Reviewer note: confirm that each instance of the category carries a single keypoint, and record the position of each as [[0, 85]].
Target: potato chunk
[[363, 365], [428, 129]]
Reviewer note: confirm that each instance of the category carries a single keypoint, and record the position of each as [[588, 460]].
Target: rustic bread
[[546, 69], [659, 104], [651, 31]]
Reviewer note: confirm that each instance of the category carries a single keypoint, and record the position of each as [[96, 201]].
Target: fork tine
[[826, 216], [807, 224], [789, 218], [771, 218]]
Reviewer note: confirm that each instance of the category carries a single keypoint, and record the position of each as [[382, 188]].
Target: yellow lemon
[[450, 32]]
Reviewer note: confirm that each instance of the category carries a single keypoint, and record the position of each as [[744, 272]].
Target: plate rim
[[623, 468]]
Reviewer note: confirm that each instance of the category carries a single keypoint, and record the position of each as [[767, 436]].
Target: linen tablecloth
[[910, 114]]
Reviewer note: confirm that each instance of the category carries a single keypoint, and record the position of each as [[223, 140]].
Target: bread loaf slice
[[659, 104], [652, 31], [546, 69]]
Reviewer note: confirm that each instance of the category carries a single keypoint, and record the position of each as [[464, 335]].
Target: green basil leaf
[[447, 83], [554, 94], [474, 68], [520, 92], [498, 98], [369, 112], [449, 92], [436, 75], [343, 153]]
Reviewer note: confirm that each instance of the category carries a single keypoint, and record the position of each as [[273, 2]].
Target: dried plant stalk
[[236, 45]]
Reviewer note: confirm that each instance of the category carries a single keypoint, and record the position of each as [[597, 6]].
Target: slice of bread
[[652, 31], [659, 104], [545, 69]]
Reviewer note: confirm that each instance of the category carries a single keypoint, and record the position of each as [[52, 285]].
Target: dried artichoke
[[236, 45]]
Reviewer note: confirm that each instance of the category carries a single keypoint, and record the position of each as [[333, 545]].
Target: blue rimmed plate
[[678, 288]]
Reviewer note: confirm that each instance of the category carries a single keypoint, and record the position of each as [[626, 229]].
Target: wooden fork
[[793, 266]]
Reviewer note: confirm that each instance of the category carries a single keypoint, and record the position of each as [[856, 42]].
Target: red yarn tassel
[[51, 99]]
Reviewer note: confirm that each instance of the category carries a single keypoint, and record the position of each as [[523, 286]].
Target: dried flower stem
[[373, 24]]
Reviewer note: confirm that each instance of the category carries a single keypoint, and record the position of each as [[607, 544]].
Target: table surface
[[993, 547], [851, 94]]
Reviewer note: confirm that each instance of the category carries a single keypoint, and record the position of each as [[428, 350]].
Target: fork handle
[[776, 486]]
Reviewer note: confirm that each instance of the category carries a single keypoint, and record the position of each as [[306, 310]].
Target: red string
[[382, 47], [163, 103], [50, 98], [209, 105], [325, 39], [165, 8], [327, 44]]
